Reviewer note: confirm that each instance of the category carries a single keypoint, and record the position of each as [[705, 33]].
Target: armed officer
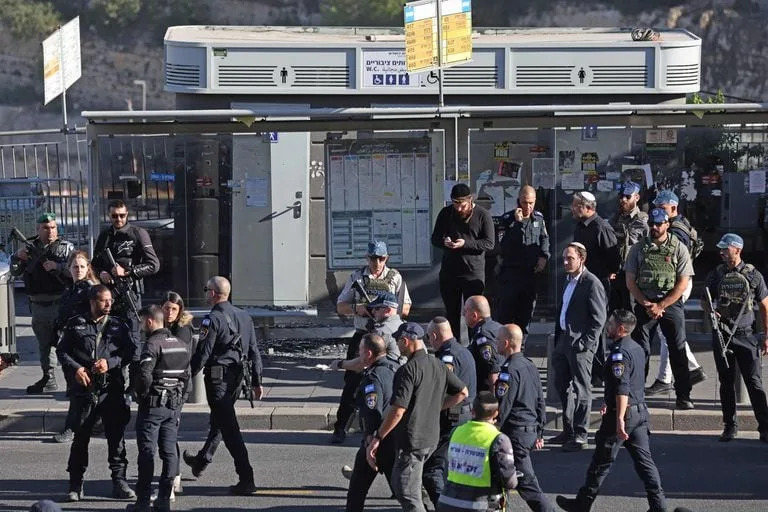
[[630, 225], [94, 348], [624, 422], [226, 353], [373, 396], [44, 267], [163, 374], [482, 340], [374, 277], [736, 286], [135, 259], [458, 360], [524, 254], [522, 413]]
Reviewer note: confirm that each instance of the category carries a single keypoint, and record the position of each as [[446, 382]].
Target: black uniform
[[83, 342], [732, 288], [458, 360], [373, 396], [163, 375], [226, 336], [624, 375], [522, 414], [523, 244], [630, 228], [132, 249], [482, 345]]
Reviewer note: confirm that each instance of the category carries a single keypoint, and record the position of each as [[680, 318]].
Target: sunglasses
[[207, 289], [377, 258], [626, 197], [119, 215]]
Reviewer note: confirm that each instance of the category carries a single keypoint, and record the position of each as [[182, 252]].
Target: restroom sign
[[386, 69]]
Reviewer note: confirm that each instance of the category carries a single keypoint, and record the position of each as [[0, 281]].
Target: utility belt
[[217, 371], [523, 428], [172, 399], [632, 408]]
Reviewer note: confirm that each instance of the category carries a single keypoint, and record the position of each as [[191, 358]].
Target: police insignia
[[370, 400], [618, 370], [501, 389], [486, 352], [204, 325]]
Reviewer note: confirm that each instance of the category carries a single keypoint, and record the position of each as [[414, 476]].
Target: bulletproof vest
[[172, 363], [658, 270], [386, 284], [734, 292]]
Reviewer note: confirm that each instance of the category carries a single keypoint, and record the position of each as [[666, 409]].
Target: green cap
[[46, 217]]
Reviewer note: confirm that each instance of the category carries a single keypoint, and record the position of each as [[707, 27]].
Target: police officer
[[630, 225], [470, 487], [45, 278], [524, 252], [374, 277], [163, 374], [482, 340], [736, 286], [135, 259], [658, 269], [624, 422], [227, 345], [373, 396], [522, 412], [94, 348], [458, 360]]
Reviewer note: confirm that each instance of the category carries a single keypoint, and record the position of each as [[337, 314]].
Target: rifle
[[122, 284], [359, 288], [724, 350], [35, 254], [247, 383]]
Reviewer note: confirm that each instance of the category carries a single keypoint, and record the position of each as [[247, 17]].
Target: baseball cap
[[629, 188], [377, 248], [46, 217], [658, 215], [460, 191], [730, 240], [384, 299], [666, 197], [410, 329]]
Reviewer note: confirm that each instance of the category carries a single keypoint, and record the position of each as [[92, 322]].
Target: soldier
[[658, 269], [522, 412], [227, 344], [94, 348], [524, 255], [163, 375], [374, 277], [373, 396], [630, 225], [736, 286], [458, 360], [44, 268], [624, 422], [482, 340]]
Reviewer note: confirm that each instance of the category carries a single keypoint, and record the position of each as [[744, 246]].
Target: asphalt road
[[298, 471]]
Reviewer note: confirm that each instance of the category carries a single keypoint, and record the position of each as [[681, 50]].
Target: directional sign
[[61, 59], [421, 29]]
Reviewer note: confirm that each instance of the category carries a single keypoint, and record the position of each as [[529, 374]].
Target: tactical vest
[[734, 291], [373, 285], [658, 270], [171, 365]]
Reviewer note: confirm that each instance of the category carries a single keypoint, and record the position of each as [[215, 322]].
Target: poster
[[572, 181], [589, 163], [566, 160], [640, 174], [757, 181], [543, 175]]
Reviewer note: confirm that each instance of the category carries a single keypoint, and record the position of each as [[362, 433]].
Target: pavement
[[299, 396]]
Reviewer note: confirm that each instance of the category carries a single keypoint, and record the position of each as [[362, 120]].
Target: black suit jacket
[[585, 316]]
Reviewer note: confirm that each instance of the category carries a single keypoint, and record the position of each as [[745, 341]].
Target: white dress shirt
[[567, 294]]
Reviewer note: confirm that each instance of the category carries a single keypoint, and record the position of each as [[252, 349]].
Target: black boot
[[194, 462], [45, 385], [121, 490]]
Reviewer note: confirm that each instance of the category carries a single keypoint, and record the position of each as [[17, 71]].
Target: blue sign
[[409, 16], [403, 79], [272, 136], [160, 176], [378, 79], [391, 79], [466, 5]]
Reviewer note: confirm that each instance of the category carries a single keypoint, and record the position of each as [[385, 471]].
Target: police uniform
[[482, 345], [373, 396], [656, 268], [737, 289], [524, 242], [227, 336], [522, 413], [44, 290], [458, 360], [163, 375], [83, 342], [623, 376], [630, 228]]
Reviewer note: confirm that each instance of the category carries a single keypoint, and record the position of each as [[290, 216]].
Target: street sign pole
[[441, 101], [64, 102]]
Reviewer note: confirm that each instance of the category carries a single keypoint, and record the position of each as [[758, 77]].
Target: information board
[[61, 59], [421, 34], [379, 189]]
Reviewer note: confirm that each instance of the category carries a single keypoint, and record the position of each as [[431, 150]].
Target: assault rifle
[[122, 284], [247, 381], [35, 253], [724, 350], [98, 384]]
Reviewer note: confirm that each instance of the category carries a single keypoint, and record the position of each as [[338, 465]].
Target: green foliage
[[162, 14], [28, 19], [108, 15], [365, 13], [697, 99]]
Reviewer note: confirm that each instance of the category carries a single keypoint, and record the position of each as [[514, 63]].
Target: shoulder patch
[[504, 377], [448, 358], [370, 388], [617, 369], [501, 388], [617, 356], [486, 352], [206, 321]]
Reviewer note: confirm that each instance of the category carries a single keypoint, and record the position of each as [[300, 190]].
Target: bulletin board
[[379, 189]]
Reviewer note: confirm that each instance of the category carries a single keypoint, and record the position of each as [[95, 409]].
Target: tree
[[366, 13], [29, 19]]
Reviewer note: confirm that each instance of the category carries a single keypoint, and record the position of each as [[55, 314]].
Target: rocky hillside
[[735, 53]]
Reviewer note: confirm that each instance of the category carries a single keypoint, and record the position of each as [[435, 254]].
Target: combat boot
[[121, 490], [161, 506], [242, 488], [45, 385], [194, 462]]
